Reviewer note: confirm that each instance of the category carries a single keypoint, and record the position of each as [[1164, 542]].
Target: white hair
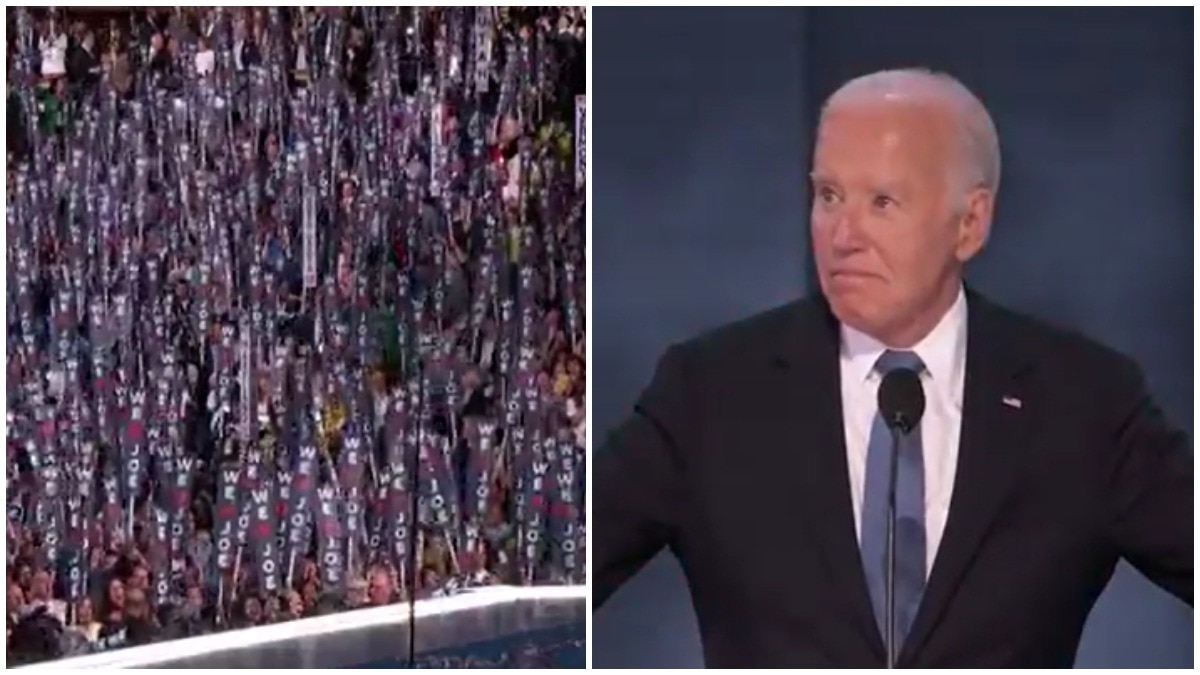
[[980, 144]]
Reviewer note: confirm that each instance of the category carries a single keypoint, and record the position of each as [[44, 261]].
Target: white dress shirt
[[944, 352]]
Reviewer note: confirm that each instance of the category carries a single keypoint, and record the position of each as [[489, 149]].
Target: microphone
[[901, 404], [901, 400]]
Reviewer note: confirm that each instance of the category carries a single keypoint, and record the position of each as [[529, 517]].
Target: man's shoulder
[[1052, 345], [797, 325], [757, 335]]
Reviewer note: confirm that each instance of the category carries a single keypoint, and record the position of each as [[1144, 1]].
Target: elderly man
[[758, 454], [41, 592], [380, 586]]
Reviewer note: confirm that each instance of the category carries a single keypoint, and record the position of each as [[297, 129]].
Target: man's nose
[[848, 229]]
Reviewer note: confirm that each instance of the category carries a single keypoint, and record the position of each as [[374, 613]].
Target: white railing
[[173, 650]]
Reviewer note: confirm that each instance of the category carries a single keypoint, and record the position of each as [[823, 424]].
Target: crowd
[[295, 314]]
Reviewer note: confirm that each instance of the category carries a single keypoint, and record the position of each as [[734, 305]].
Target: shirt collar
[[943, 350]]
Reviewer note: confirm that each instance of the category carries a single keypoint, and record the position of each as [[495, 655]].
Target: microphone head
[[901, 399]]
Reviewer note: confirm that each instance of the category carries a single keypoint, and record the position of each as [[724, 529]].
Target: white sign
[[580, 140]]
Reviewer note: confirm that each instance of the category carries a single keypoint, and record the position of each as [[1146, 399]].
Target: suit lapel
[[807, 364], [996, 409]]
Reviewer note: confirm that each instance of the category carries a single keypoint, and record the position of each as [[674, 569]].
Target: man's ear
[[975, 223]]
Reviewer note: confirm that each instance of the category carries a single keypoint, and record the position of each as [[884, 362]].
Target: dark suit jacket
[[82, 66], [735, 459]]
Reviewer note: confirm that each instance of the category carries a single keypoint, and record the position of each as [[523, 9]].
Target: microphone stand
[[901, 403], [889, 607]]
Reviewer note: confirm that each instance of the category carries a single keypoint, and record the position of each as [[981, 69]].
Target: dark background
[[704, 123]]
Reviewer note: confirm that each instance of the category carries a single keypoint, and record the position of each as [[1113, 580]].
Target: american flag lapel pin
[[1012, 402]]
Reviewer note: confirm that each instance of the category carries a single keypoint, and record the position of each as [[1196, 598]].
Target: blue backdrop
[[702, 121]]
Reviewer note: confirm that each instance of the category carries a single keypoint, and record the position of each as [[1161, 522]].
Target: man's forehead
[[876, 134], [884, 114]]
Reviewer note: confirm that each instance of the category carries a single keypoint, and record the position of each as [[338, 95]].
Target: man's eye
[[883, 202], [827, 195]]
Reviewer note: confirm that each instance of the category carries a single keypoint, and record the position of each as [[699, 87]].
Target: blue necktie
[[910, 513]]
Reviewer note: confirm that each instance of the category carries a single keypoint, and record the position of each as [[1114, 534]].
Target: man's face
[[510, 129], [203, 545], [16, 597], [253, 609], [39, 586], [380, 590], [140, 579], [295, 604], [887, 231]]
